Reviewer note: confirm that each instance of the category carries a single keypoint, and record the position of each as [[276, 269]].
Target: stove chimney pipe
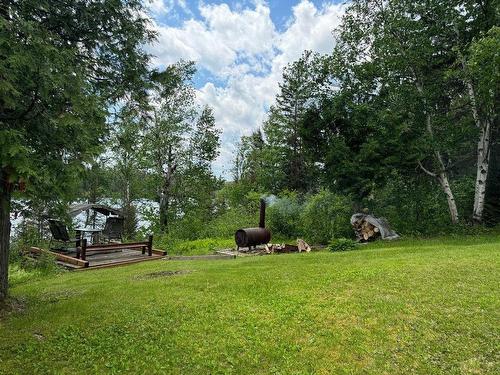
[[262, 221]]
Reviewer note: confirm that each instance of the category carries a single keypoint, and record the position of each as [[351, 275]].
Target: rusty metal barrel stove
[[249, 237]]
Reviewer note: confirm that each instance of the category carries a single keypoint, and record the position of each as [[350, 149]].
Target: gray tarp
[[386, 233], [101, 208]]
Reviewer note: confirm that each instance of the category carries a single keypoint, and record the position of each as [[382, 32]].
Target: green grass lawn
[[430, 306]]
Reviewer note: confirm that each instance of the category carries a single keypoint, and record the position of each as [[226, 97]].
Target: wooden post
[[84, 249], [78, 244], [150, 245], [78, 236]]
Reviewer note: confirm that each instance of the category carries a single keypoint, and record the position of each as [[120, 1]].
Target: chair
[[113, 229], [60, 234]]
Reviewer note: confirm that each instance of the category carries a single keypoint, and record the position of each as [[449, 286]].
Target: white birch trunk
[[483, 160], [452, 205], [483, 148], [441, 175]]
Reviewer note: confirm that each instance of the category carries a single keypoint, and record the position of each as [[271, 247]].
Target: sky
[[240, 49]]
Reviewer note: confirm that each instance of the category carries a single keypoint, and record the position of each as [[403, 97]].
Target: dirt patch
[[12, 306], [38, 336], [159, 274], [54, 297]]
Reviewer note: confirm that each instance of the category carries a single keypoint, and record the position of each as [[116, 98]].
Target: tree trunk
[[483, 146], [483, 160], [165, 193], [442, 175], [452, 205], [164, 208], [5, 200]]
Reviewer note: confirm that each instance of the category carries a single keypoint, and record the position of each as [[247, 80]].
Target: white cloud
[[242, 48], [157, 6]]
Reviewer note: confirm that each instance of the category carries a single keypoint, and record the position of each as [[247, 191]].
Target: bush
[[326, 215], [342, 244], [226, 224], [26, 235], [416, 206], [44, 264], [175, 246], [283, 217]]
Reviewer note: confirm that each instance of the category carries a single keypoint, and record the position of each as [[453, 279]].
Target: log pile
[[365, 231], [286, 248], [303, 246]]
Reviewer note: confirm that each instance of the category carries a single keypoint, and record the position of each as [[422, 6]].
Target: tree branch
[[432, 174]]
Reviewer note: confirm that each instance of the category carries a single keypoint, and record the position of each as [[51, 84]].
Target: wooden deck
[[117, 257], [120, 257]]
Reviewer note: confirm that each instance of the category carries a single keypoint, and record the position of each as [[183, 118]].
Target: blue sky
[[240, 48]]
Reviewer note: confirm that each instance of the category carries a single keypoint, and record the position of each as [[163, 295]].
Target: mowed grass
[[428, 307]]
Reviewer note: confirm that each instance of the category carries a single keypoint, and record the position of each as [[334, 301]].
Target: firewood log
[[303, 246]]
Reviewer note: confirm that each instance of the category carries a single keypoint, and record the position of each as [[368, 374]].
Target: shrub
[[175, 246], [26, 235], [326, 215], [417, 206], [342, 244], [283, 217], [226, 224], [44, 264]]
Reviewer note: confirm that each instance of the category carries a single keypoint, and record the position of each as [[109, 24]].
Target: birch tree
[[409, 47], [481, 74]]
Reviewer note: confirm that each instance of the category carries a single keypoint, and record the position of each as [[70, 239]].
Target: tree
[[94, 185], [411, 48], [249, 164], [304, 82], [357, 140], [481, 74], [177, 139], [127, 142], [62, 67]]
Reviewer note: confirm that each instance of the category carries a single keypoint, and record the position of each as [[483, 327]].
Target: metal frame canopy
[[76, 209]]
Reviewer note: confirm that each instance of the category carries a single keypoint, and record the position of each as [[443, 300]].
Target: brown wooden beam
[[121, 247], [154, 251], [117, 245], [120, 263], [61, 257]]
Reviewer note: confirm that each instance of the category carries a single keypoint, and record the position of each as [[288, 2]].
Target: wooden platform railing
[[142, 246], [61, 257]]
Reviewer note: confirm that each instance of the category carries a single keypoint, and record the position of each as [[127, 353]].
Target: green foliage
[[24, 266], [283, 216], [27, 235], [250, 166], [483, 66], [130, 222], [413, 205], [326, 215], [59, 77], [226, 224], [342, 244], [178, 143], [200, 246], [63, 69], [305, 81], [44, 264]]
